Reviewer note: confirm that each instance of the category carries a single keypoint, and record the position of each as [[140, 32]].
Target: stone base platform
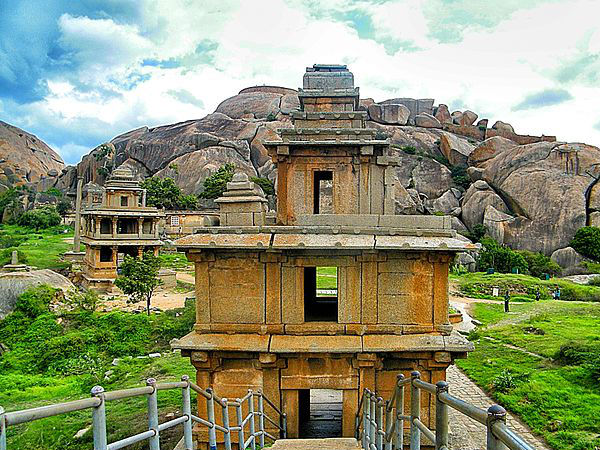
[[316, 444]]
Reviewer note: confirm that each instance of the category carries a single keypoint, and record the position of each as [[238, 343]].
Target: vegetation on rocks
[[216, 184], [549, 376]]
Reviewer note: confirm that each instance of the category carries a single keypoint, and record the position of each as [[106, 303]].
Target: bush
[[477, 233], [40, 218], [578, 354], [500, 257], [538, 264], [587, 242], [409, 149], [504, 381], [35, 301], [594, 281], [460, 176], [265, 185], [215, 184], [11, 240]]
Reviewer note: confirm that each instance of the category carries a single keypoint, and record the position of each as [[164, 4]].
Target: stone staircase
[[317, 444]]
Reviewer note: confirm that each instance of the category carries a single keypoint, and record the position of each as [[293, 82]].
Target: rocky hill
[[24, 158], [531, 192]]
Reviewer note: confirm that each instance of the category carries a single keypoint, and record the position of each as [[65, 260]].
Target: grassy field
[[175, 260], [327, 277], [480, 285], [41, 249], [124, 417], [559, 399]]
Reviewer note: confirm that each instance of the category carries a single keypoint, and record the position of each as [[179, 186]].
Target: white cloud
[[270, 42]]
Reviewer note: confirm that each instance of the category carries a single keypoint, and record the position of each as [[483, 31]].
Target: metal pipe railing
[[380, 425], [98, 399]]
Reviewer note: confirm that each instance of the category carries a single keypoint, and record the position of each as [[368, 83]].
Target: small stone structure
[[263, 323], [120, 225], [14, 265]]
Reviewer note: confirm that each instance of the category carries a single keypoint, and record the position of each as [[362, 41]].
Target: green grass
[[42, 249], [559, 402], [175, 260], [327, 277], [124, 417], [183, 287], [480, 285]]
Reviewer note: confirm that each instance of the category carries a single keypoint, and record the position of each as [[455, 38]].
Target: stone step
[[316, 444]]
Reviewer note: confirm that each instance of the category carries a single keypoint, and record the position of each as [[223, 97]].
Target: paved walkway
[[467, 434]]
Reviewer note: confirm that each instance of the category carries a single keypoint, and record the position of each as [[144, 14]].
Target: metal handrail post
[[284, 425], [225, 417], [399, 412], [251, 420], [153, 441], [495, 413], [261, 420], [441, 418], [415, 412], [187, 410], [2, 429], [379, 421], [365, 420], [388, 426], [210, 412], [240, 424], [372, 422], [99, 419]]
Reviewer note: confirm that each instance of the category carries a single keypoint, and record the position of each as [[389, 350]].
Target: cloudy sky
[[78, 73]]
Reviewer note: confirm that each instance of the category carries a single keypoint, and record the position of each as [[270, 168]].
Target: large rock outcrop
[[13, 284], [24, 158], [546, 186]]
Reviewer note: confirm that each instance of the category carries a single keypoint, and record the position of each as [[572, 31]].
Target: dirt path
[[163, 299]]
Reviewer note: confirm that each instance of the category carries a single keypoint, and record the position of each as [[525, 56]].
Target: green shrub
[[215, 184], [477, 233], [460, 176], [53, 192], [594, 281], [538, 264], [35, 301], [265, 184], [587, 242], [8, 240], [409, 149], [39, 218], [504, 381], [578, 354], [500, 257]]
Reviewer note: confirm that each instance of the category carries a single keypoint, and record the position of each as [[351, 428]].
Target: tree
[[215, 184], [39, 218], [139, 278], [164, 193], [500, 257], [265, 184], [63, 207], [587, 242]]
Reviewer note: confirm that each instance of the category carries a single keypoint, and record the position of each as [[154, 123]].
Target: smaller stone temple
[[121, 224]]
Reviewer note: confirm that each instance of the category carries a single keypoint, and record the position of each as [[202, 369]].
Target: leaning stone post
[[77, 238]]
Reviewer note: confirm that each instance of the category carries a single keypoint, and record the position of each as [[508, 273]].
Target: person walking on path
[[506, 300], [537, 294]]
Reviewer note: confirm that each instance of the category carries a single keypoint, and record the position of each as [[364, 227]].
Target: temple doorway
[[320, 413]]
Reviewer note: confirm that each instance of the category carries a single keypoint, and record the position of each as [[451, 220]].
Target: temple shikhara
[[116, 222], [262, 320]]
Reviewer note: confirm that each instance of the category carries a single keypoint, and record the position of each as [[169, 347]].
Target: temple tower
[[340, 293], [116, 222]]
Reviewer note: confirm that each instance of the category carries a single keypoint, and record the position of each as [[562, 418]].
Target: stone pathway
[[466, 433]]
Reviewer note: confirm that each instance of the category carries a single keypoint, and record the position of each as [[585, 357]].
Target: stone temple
[[116, 222], [263, 321]]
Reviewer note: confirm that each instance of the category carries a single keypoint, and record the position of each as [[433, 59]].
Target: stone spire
[[243, 203]]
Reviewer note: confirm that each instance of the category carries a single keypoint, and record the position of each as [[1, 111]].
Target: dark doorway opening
[[323, 192], [320, 413], [320, 294]]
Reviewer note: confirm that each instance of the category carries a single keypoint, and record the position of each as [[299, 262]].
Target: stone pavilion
[[114, 223], [262, 322]]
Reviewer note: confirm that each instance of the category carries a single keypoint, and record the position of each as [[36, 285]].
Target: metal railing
[[245, 425], [380, 424]]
